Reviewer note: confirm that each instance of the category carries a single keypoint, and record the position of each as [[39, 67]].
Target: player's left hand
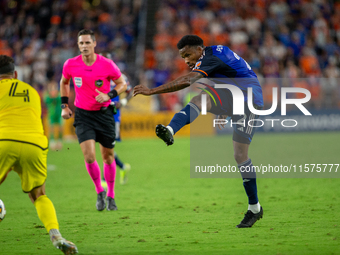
[[102, 97], [141, 89]]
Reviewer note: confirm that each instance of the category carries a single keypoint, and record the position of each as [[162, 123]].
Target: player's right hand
[[141, 89], [222, 117], [66, 113]]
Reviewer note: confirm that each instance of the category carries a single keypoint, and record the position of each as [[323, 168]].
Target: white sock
[[255, 208], [54, 234], [170, 129]]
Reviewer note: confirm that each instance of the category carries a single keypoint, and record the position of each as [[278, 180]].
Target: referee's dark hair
[[190, 40], [6, 65], [87, 32]]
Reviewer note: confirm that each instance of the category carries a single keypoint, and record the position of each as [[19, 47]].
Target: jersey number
[[238, 58], [24, 94]]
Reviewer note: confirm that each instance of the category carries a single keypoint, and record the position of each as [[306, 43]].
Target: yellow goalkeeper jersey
[[20, 113]]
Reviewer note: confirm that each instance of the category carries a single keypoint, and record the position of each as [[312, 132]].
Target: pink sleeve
[[66, 69], [115, 72]]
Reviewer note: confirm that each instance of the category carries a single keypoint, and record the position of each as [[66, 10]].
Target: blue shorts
[[243, 132], [117, 127]]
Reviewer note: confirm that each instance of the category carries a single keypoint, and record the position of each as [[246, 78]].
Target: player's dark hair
[[190, 40], [87, 32], [6, 64]]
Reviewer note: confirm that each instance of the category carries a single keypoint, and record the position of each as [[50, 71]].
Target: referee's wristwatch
[[63, 106]]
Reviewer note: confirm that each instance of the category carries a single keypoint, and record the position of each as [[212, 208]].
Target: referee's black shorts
[[96, 125]]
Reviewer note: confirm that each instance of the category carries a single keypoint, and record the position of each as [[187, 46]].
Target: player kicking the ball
[[217, 62]]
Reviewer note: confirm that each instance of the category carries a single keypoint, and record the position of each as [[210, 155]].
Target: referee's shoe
[[250, 218], [101, 201]]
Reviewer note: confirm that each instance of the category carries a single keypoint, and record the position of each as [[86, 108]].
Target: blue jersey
[[222, 64]]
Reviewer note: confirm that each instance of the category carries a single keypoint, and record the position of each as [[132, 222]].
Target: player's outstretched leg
[[187, 115], [165, 134]]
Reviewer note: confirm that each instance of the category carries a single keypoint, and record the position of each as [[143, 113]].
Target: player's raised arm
[[66, 112], [178, 84]]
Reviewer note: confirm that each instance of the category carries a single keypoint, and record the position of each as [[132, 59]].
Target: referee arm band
[[64, 100], [113, 93]]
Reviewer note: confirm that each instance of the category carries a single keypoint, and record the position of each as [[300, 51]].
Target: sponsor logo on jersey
[[99, 83], [78, 81], [219, 48], [198, 64]]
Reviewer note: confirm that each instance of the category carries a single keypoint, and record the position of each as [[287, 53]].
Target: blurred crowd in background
[[298, 40], [42, 34], [278, 38]]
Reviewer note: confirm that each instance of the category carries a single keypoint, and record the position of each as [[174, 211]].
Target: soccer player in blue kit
[[220, 64], [124, 167]]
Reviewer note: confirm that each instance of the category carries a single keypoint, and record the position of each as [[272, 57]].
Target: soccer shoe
[[104, 184], [165, 134], [65, 246], [111, 204], [250, 218], [123, 173], [101, 201]]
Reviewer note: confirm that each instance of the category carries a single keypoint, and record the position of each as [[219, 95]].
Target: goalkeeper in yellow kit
[[24, 147]]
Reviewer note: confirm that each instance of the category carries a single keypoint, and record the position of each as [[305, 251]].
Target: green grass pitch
[[164, 211]]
